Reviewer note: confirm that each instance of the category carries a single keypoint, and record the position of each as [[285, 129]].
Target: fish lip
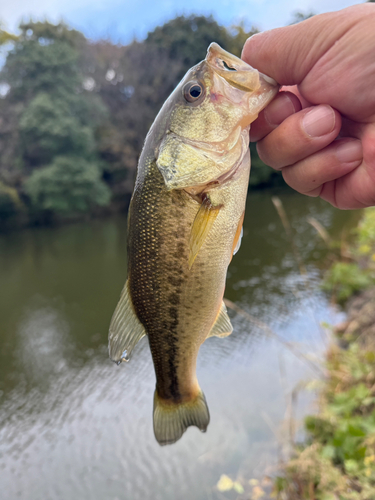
[[237, 73], [241, 76]]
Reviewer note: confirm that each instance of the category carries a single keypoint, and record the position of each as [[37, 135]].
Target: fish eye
[[192, 91]]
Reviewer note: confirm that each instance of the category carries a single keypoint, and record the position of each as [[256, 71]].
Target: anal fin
[[222, 326], [125, 330], [203, 222]]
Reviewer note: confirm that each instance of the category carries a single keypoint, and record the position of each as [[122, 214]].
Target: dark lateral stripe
[[172, 372]]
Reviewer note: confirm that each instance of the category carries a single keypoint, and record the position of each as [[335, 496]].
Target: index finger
[[282, 106], [288, 54]]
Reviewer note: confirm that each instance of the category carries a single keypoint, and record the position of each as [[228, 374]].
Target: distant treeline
[[74, 113]]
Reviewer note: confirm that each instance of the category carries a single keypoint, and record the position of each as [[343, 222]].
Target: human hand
[[321, 131]]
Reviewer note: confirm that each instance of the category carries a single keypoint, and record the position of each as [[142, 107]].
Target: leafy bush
[[68, 185], [10, 203], [345, 279], [339, 459], [366, 233], [49, 128]]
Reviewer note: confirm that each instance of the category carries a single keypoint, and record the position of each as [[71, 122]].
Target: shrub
[[67, 186]]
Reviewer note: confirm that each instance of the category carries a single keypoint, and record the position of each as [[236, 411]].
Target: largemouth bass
[[185, 221]]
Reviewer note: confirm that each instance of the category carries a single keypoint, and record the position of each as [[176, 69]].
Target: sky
[[123, 20]]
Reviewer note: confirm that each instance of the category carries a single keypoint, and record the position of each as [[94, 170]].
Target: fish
[[184, 225]]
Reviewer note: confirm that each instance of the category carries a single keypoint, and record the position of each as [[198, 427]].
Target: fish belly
[[177, 305]]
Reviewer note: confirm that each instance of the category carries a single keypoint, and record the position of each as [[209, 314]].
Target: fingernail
[[319, 121], [349, 151], [279, 109]]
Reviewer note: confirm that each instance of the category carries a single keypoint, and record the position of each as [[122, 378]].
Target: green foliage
[[186, 39], [68, 185], [37, 31], [10, 203], [366, 232], [96, 101], [344, 279], [41, 61], [301, 16], [6, 37], [239, 33], [52, 121], [339, 459], [49, 128]]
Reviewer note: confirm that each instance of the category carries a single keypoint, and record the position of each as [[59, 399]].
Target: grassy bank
[[337, 460]]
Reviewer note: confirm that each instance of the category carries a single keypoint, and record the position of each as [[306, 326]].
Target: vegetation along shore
[[337, 459], [74, 114]]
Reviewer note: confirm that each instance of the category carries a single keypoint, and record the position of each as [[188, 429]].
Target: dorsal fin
[[203, 222], [125, 330], [222, 326]]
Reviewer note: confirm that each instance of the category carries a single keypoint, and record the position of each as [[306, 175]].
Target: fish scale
[[185, 221]]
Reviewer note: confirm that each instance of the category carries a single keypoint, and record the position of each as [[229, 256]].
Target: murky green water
[[73, 425]]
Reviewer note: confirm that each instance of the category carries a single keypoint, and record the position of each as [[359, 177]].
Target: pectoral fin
[[238, 236], [125, 330], [222, 326], [203, 222]]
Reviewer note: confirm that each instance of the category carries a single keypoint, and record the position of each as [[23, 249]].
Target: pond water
[[73, 425]]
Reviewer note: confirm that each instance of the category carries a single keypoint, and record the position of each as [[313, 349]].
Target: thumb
[[288, 54]]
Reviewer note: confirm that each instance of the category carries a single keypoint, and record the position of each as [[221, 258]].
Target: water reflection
[[74, 425], [42, 344]]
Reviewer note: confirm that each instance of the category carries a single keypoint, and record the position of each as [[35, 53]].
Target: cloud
[[123, 19]]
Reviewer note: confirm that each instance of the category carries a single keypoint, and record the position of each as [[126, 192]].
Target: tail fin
[[172, 420]]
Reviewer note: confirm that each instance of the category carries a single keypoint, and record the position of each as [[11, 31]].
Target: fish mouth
[[237, 72], [257, 89]]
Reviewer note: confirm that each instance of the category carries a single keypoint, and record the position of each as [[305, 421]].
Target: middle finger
[[300, 135]]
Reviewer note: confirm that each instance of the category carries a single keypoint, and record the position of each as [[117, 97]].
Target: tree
[[134, 82], [239, 33], [66, 186], [43, 59], [48, 129], [51, 112], [186, 39], [6, 37], [70, 102], [301, 16]]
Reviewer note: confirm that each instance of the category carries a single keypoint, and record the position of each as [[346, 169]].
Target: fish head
[[209, 116]]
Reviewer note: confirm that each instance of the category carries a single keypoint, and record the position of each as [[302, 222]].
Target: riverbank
[[87, 424], [337, 459]]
